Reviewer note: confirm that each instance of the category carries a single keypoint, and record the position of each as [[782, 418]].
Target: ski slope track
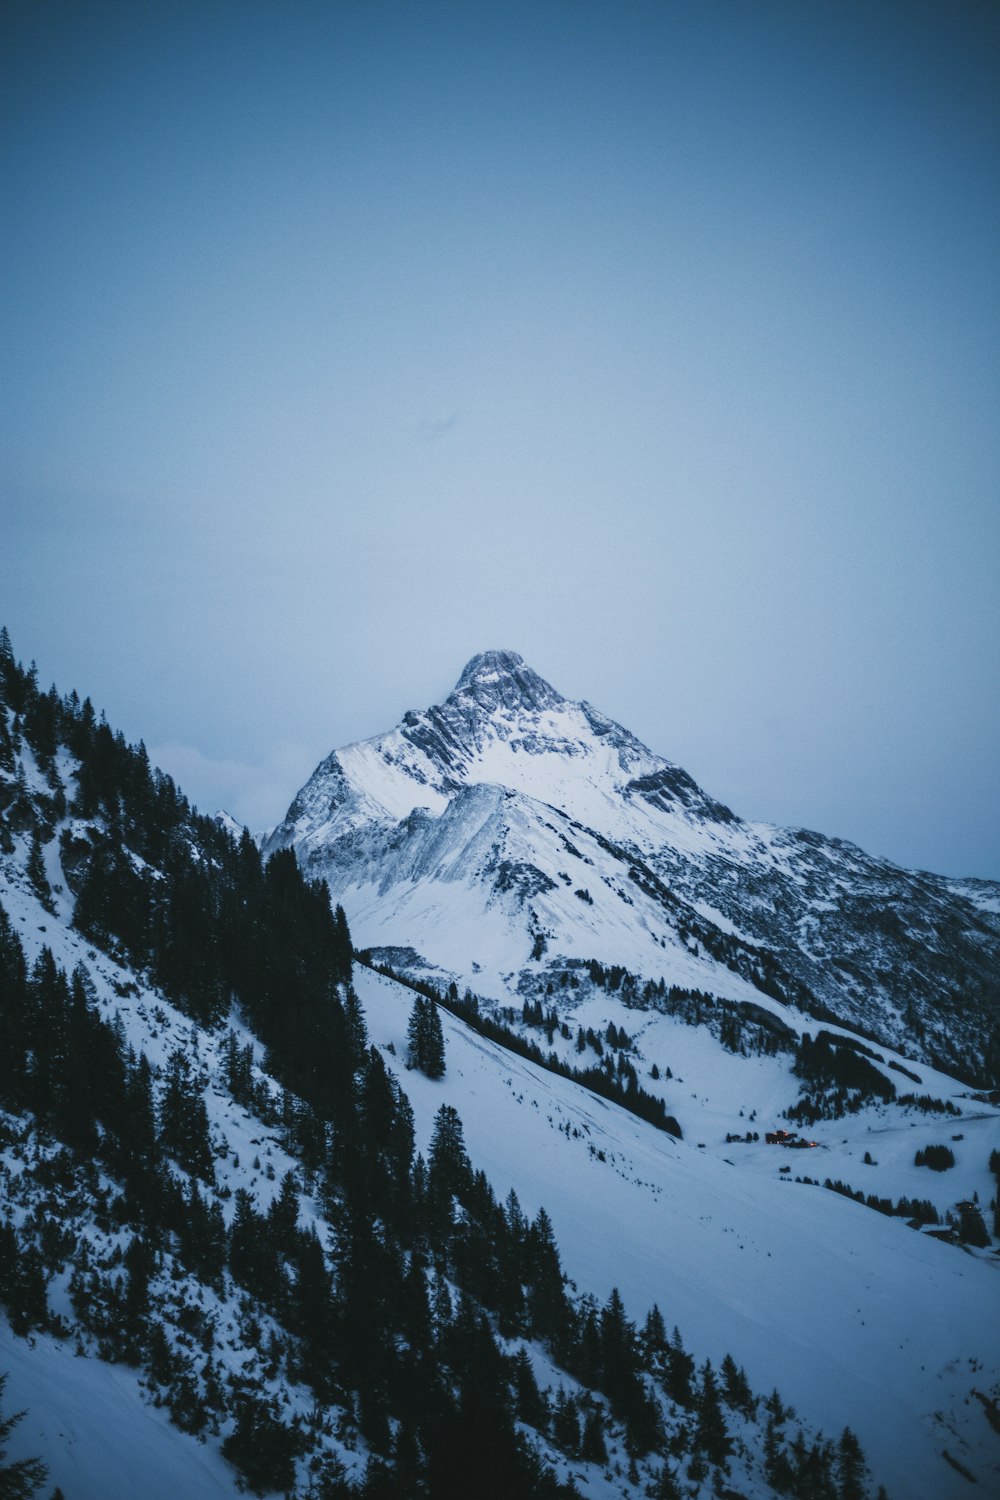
[[509, 831]]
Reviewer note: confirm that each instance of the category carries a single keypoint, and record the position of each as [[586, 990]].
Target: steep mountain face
[[509, 831]]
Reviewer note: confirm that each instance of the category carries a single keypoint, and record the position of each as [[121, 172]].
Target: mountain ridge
[[906, 955]]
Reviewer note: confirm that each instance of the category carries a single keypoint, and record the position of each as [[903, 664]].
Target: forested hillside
[[208, 1175]]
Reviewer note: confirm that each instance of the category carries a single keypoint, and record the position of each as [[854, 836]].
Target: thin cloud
[[256, 793], [430, 428]]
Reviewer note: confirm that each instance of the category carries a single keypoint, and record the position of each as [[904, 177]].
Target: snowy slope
[[95, 1424], [89, 1422], [858, 1319], [509, 829]]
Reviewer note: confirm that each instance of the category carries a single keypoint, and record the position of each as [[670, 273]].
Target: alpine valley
[[513, 1120]]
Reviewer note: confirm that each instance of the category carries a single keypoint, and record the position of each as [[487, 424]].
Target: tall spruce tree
[[850, 1467], [184, 1120], [448, 1165], [434, 1061], [711, 1433], [35, 870], [425, 1038]]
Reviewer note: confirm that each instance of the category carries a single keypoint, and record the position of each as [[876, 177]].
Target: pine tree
[[653, 1342], [357, 1030], [261, 1448], [678, 1382], [250, 1258], [566, 1424], [667, 1486], [184, 1120], [531, 1407], [415, 1309], [434, 1061], [546, 1291], [202, 1233], [343, 949], [510, 1233], [618, 1351], [971, 1226], [283, 1215], [416, 1032], [8, 760], [139, 1145], [449, 1168], [407, 1466], [777, 1469], [135, 1309], [35, 870], [850, 1467], [425, 1038], [27, 1297], [15, 1014], [312, 1313], [441, 1304], [736, 1387], [587, 1344], [593, 1449], [711, 1435]]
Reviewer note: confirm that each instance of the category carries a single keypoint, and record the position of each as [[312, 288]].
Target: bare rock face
[[501, 680]]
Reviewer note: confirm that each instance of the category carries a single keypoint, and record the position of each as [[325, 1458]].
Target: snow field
[[858, 1321]]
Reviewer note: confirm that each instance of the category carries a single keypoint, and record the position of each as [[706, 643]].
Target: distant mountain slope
[[508, 829]]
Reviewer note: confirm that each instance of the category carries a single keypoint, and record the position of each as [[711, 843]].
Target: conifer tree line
[[170, 892], [410, 1322], [740, 1026], [619, 1084]]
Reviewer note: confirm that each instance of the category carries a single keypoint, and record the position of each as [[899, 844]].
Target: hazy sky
[[656, 341]]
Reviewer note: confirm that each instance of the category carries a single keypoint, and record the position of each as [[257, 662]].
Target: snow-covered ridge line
[[502, 831]]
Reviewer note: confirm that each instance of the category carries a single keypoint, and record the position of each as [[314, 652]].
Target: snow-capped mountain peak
[[603, 850], [503, 680], [504, 723]]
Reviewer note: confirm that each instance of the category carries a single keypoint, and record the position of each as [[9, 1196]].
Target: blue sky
[[658, 342]]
